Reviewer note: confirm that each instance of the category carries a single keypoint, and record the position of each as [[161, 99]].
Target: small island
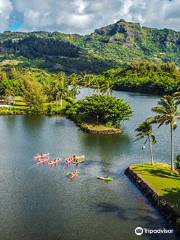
[[100, 114]]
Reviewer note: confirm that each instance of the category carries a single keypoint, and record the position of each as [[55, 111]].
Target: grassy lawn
[[161, 179]]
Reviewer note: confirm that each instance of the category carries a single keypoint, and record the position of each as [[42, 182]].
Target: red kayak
[[43, 162], [73, 175], [41, 156], [54, 163]]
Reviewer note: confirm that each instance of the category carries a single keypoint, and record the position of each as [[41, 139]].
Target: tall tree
[[61, 87], [33, 94], [74, 83], [57, 88], [145, 131], [167, 114]]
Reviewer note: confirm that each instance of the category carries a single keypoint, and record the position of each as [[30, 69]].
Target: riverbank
[[100, 129], [161, 186]]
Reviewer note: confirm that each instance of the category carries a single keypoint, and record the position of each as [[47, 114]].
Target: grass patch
[[100, 127], [162, 180]]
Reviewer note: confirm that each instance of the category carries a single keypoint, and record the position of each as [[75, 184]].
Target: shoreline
[[171, 215]]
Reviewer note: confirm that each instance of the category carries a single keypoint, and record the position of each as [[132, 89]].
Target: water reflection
[[102, 147]]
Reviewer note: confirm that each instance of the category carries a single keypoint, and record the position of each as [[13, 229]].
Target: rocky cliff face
[[120, 27], [123, 32]]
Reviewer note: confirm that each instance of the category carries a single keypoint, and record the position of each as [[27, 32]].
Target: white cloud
[[83, 16], [5, 11]]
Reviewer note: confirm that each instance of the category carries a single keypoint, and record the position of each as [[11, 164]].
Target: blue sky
[[84, 16]]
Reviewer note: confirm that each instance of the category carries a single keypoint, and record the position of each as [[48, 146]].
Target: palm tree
[[168, 114], [96, 85], [87, 81], [74, 82], [107, 86], [60, 88], [145, 131]]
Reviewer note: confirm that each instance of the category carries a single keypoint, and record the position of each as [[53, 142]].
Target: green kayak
[[106, 179]]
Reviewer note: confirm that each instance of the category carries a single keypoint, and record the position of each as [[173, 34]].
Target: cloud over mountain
[[5, 12], [83, 16]]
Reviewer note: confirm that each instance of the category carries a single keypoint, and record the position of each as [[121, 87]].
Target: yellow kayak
[[76, 157], [80, 157]]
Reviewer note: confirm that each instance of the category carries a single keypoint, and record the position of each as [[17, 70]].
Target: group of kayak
[[44, 159]]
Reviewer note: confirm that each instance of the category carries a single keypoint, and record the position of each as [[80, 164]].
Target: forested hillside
[[106, 48]]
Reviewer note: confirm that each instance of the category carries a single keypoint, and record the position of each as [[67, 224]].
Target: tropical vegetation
[[168, 113], [100, 110], [106, 48]]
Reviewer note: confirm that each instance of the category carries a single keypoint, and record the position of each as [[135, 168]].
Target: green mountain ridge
[[108, 47]]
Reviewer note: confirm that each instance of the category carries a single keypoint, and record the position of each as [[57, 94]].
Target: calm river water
[[37, 203]]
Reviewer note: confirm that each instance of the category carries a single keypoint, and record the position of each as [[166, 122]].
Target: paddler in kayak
[[78, 159], [73, 175], [70, 160], [75, 160]]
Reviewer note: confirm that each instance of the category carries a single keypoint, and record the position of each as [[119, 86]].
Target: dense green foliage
[[33, 94], [107, 47], [100, 109], [138, 76], [34, 47], [54, 85], [42, 92], [146, 77]]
